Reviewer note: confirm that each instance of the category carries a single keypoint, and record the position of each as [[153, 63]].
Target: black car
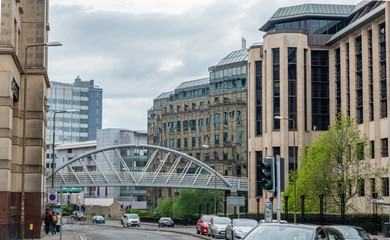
[[165, 222], [282, 231]]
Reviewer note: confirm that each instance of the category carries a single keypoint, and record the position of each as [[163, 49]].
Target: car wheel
[[128, 225], [139, 225], [173, 225]]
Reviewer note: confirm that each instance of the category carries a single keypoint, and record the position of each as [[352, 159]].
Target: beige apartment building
[[206, 118], [317, 60], [23, 23]]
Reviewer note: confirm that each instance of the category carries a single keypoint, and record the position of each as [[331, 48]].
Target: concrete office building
[[316, 60], [23, 23], [209, 111], [86, 99]]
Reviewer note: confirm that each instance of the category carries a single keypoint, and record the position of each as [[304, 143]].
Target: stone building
[[206, 118], [315, 61], [23, 23]]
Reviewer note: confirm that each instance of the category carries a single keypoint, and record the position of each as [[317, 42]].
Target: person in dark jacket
[[47, 220]]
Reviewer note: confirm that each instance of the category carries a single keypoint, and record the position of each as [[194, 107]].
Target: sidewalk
[[66, 235]]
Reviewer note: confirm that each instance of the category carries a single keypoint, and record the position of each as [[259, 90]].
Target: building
[[23, 23], [86, 99], [135, 160], [206, 118], [316, 60]]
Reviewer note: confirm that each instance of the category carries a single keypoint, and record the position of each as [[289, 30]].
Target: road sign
[[268, 212], [235, 201], [52, 196]]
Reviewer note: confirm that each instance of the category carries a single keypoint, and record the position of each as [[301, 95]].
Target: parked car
[[217, 227], [273, 221], [131, 220], [165, 222], [286, 231], [203, 223], [351, 232], [98, 219], [77, 216], [239, 227]]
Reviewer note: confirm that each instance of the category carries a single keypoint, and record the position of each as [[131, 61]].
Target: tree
[[335, 163]]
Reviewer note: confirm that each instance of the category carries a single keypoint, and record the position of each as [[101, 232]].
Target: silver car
[[238, 228], [217, 226]]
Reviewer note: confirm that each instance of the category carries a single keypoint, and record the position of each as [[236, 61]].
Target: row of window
[[384, 190], [68, 102], [384, 148], [71, 129], [68, 120], [199, 141], [193, 106], [231, 83], [80, 94], [228, 72], [174, 127], [189, 94]]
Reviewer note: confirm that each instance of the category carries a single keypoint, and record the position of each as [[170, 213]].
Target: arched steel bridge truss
[[204, 176]]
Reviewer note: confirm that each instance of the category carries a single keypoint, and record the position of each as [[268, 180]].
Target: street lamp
[[54, 137], [215, 182], [295, 165], [49, 44]]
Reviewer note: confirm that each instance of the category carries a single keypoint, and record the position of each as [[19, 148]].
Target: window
[[240, 136], [185, 126], [361, 187], [225, 137], [178, 126], [200, 123], [178, 108], [199, 142], [225, 121], [217, 120], [373, 186], [384, 147], [276, 87], [193, 125], [360, 149], [208, 122], [178, 143], [171, 143], [372, 146], [385, 187], [70, 150], [238, 118], [193, 106], [201, 106], [185, 143], [370, 77], [359, 80], [193, 142], [291, 158], [216, 139], [320, 90], [259, 161], [292, 87], [259, 95], [338, 80], [382, 67]]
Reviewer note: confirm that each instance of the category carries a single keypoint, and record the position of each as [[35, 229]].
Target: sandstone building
[[315, 61], [23, 23]]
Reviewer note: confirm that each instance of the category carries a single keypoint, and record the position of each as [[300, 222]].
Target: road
[[114, 231]]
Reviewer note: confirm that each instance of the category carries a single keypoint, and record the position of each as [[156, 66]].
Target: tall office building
[[317, 60], [206, 118], [86, 99], [23, 24]]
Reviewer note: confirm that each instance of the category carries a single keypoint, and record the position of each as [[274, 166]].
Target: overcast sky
[[137, 49]]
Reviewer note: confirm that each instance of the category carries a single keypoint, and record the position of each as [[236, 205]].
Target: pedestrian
[[58, 223], [47, 220], [54, 223]]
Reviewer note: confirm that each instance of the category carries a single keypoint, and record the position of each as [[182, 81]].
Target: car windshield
[[280, 232], [207, 218], [165, 219], [99, 217], [221, 220], [353, 233], [244, 223], [133, 216]]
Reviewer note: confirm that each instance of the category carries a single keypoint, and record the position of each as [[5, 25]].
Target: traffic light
[[83, 208], [375, 195], [268, 174], [342, 195]]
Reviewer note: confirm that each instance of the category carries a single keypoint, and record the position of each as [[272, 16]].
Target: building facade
[[87, 100], [315, 61], [22, 24], [206, 118]]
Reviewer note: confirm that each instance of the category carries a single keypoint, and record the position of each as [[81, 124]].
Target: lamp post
[[295, 165], [54, 137], [49, 44], [215, 182]]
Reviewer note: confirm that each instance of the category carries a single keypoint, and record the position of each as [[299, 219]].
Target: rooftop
[[235, 56], [193, 83]]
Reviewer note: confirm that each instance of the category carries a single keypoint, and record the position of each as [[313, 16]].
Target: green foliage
[[333, 164], [187, 203]]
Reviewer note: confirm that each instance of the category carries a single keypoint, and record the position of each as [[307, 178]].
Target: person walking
[[54, 223], [58, 226], [47, 220]]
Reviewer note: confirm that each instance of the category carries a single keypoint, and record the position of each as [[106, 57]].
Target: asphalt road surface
[[103, 232]]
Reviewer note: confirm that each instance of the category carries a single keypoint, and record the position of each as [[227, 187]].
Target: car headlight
[[238, 231], [218, 228]]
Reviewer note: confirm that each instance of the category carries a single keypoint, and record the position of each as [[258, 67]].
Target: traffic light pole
[[278, 189]]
